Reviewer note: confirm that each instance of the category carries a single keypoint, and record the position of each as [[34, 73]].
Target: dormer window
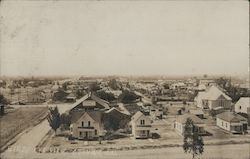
[[82, 124], [89, 123], [240, 107]]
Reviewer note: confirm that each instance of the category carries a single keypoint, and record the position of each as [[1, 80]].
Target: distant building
[[243, 105], [198, 112], [213, 98], [232, 122], [141, 125], [156, 112], [180, 122], [71, 97]]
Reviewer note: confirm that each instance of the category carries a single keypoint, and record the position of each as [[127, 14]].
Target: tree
[[105, 95], [65, 86], [128, 96], [113, 84], [79, 93], [65, 120], [54, 118], [193, 142], [3, 100], [93, 87]]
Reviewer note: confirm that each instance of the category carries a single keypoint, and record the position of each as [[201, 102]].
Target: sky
[[124, 37]]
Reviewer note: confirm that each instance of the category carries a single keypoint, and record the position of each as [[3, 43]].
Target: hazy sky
[[124, 38]]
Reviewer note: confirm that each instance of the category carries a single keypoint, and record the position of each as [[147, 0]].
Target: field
[[17, 120]]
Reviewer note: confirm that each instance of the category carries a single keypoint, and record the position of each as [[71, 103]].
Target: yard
[[168, 138], [17, 120]]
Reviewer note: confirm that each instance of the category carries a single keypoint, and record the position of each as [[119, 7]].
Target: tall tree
[[193, 142], [54, 118]]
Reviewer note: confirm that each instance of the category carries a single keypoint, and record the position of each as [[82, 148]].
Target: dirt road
[[26, 144], [211, 152]]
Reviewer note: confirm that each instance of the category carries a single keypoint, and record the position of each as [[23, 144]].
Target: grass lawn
[[17, 120]]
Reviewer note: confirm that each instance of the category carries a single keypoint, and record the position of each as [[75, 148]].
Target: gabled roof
[[183, 118], [116, 110], [95, 115], [213, 93], [137, 115], [244, 102], [98, 100], [231, 117]]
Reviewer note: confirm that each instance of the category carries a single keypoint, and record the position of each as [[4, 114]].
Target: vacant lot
[[19, 119]]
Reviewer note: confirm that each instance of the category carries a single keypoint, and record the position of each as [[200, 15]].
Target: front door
[[86, 135]]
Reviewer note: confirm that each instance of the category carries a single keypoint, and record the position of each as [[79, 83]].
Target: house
[[47, 93], [243, 105], [156, 112], [231, 122], [35, 97], [198, 112], [71, 97], [141, 125], [179, 85], [90, 102], [180, 122], [87, 125], [212, 98]]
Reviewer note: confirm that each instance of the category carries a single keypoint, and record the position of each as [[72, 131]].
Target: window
[[221, 103], [95, 132], [82, 124], [240, 107], [89, 123], [80, 133], [142, 122], [226, 125]]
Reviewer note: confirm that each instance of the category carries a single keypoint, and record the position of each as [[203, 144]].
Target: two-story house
[[87, 125], [141, 125]]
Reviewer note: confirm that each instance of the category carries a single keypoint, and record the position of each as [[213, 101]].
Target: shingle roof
[[95, 115], [183, 118], [231, 117], [76, 115], [100, 101]]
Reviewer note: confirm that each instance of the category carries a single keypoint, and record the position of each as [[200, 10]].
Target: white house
[[141, 125], [231, 122], [213, 98], [180, 122], [87, 125], [243, 105]]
